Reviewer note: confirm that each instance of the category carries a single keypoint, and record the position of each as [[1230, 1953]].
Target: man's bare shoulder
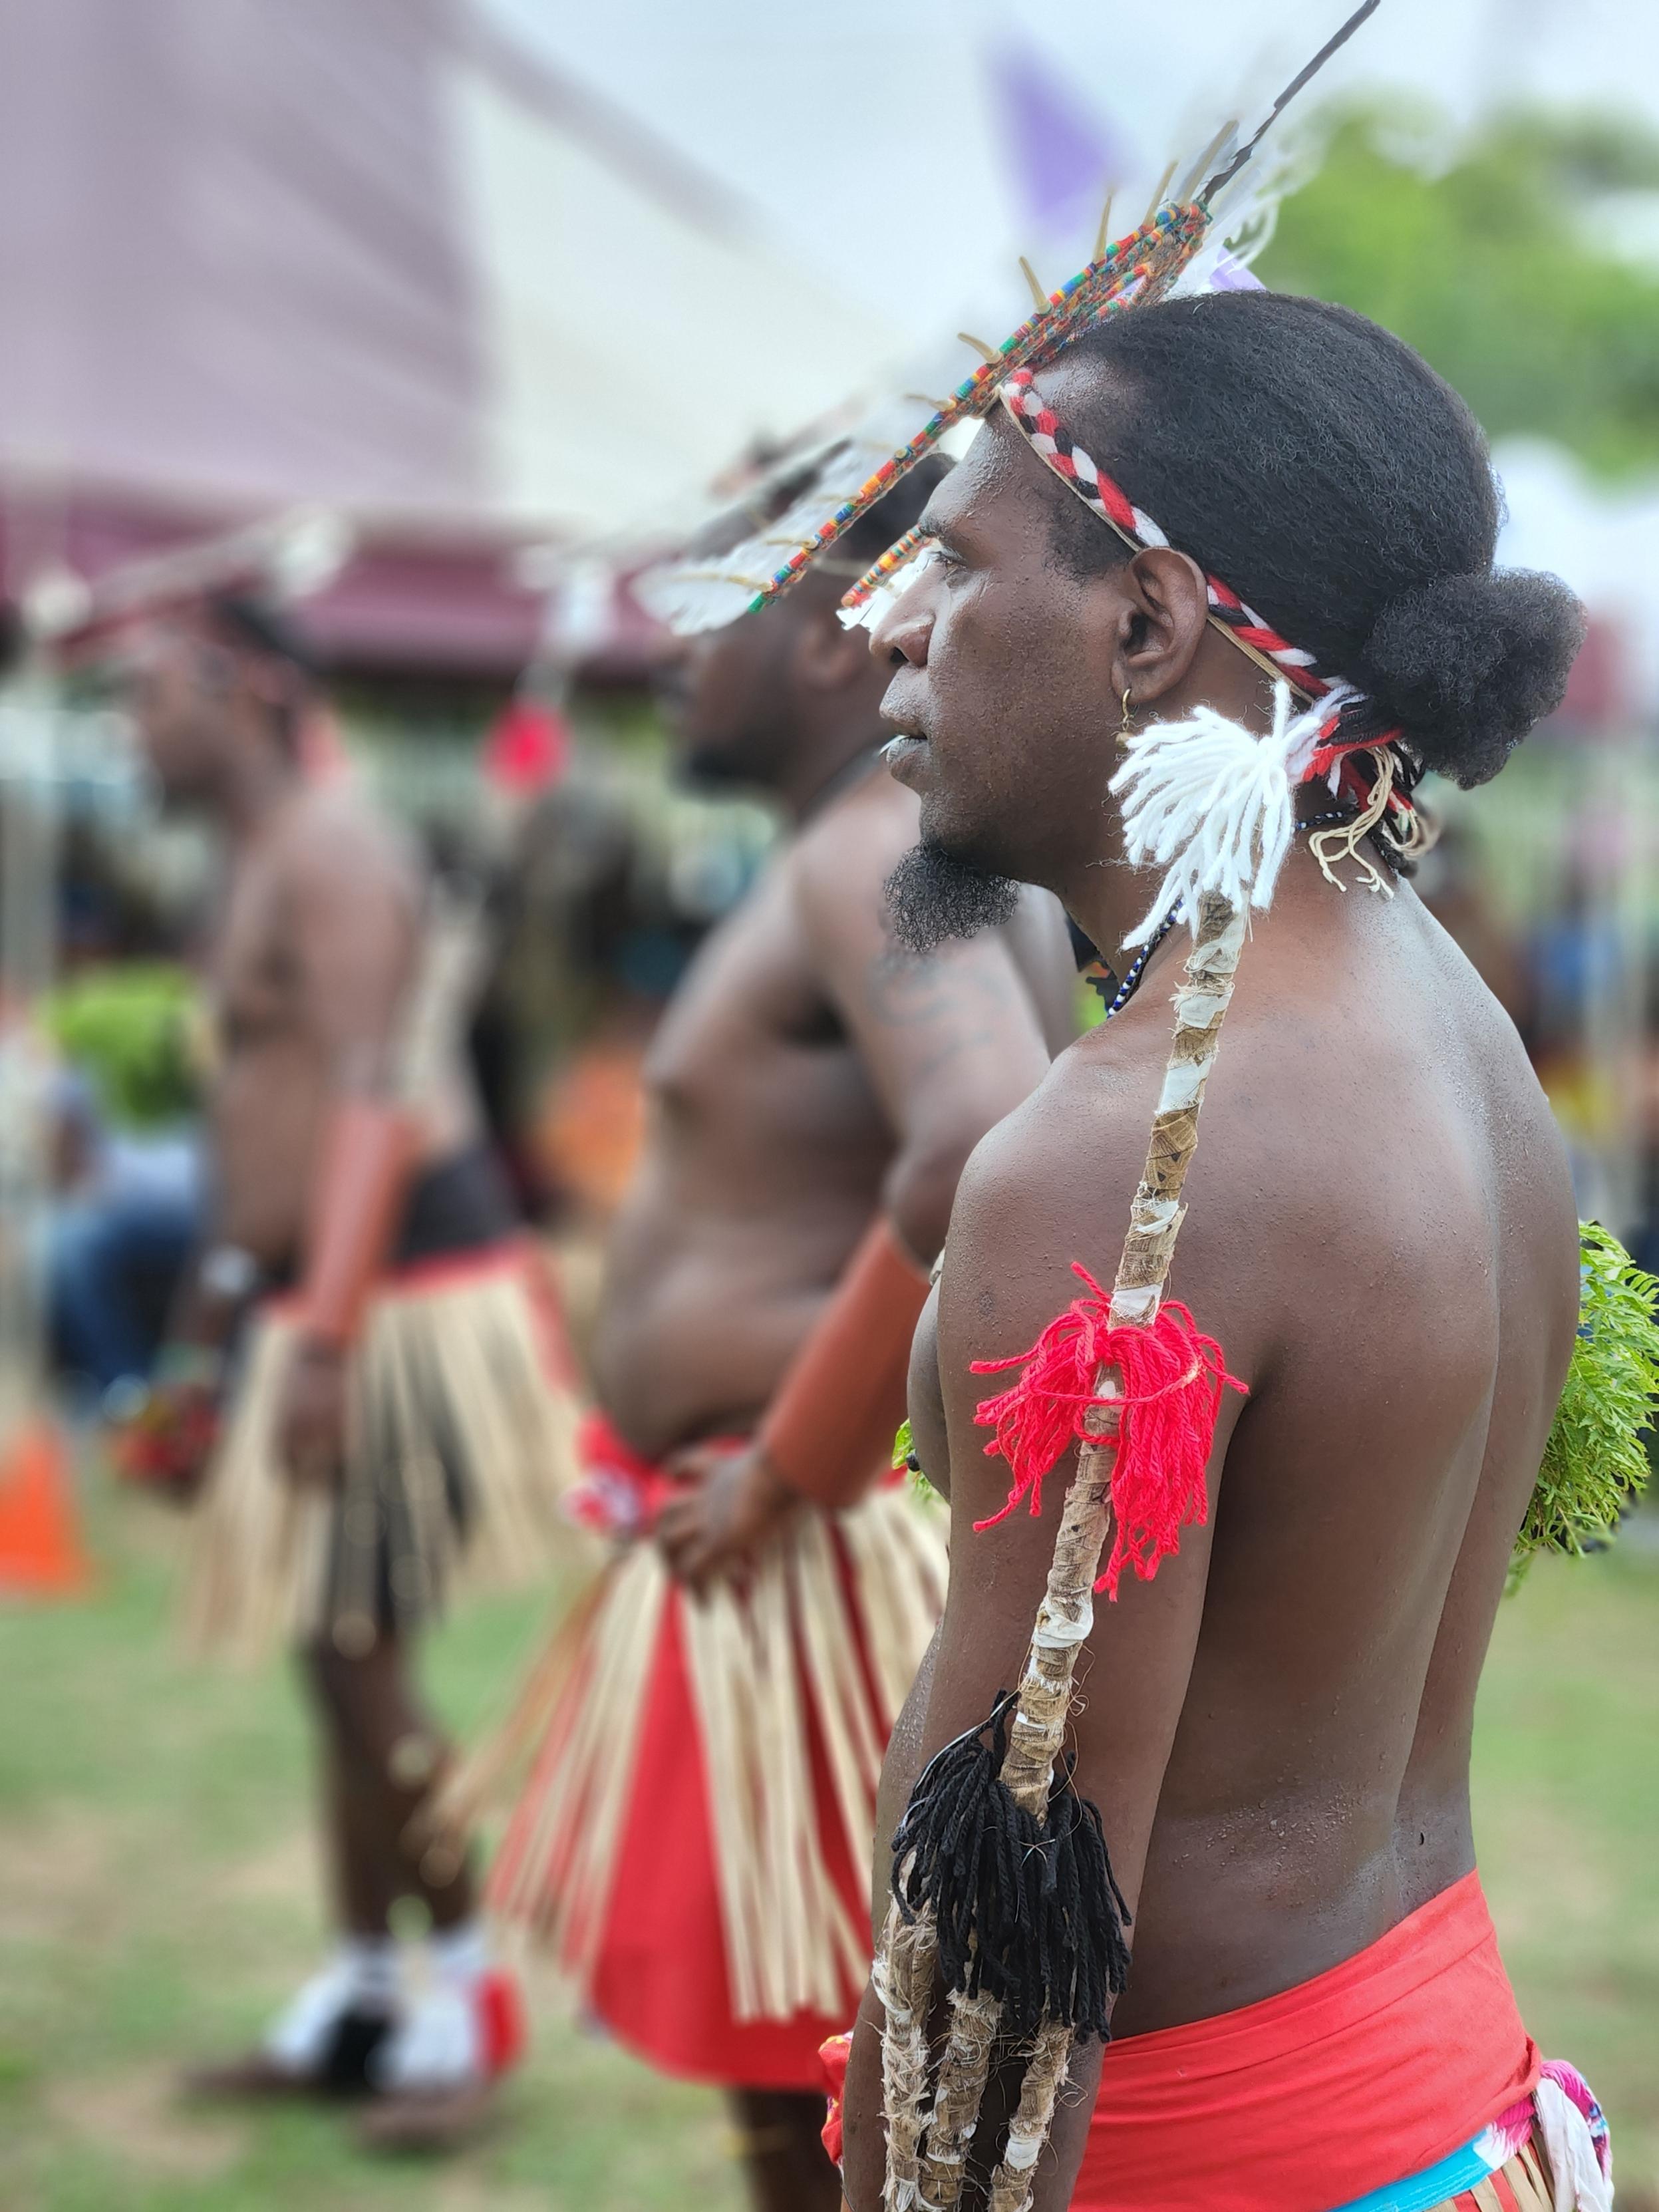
[[1050, 1189], [1371, 1138], [333, 836]]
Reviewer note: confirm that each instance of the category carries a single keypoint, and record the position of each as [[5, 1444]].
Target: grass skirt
[[460, 1433], [695, 1838]]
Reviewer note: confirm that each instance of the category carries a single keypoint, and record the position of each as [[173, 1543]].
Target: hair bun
[[1467, 664]]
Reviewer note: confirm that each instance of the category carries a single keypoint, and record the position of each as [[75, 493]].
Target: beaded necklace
[[1104, 982], [1101, 980]]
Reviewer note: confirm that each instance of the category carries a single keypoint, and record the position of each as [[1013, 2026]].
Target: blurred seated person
[[128, 1215]]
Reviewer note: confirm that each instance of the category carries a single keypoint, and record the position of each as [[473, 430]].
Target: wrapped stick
[[904, 1975], [1036, 1727]]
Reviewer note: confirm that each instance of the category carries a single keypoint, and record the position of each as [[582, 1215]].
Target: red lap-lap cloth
[[696, 1836], [1346, 2084]]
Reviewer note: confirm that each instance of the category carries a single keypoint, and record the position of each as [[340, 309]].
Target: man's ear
[[828, 655], [1165, 608]]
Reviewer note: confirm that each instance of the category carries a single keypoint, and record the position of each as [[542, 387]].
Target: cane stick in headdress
[[868, 455], [1003, 1888]]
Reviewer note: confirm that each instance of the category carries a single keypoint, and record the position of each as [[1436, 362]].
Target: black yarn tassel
[[1025, 1908]]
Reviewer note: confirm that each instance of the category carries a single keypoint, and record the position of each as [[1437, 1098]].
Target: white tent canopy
[[258, 252]]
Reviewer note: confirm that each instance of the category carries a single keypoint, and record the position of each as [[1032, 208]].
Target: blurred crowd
[[600, 873]]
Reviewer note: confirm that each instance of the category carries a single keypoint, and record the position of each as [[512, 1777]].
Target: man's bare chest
[[751, 1024], [255, 976]]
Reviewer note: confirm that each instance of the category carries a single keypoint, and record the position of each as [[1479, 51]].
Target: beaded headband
[[867, 462], [1126, 273]]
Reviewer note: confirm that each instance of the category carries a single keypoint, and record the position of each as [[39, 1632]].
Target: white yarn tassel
[[1212, 803]]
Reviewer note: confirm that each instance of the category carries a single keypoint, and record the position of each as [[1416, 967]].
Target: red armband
[[828, 1430], [367, 1159]]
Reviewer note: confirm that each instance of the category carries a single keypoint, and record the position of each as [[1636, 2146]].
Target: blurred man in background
[[690, 1836], [398, 1402]]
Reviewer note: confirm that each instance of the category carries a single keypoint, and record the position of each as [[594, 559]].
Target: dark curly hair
[[1321, 469]]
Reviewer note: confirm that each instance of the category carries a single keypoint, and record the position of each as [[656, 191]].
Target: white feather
[[688, 596], [698, 591], [1212, 804], [888, 593]]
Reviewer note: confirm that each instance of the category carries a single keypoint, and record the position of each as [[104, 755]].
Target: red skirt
[[696, 1835], [1347, 2084]]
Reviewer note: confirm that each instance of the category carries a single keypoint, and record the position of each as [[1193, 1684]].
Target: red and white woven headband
[[1054, 444], [1237, 621], [1056, 447]]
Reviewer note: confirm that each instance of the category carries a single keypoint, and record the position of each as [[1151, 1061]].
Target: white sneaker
[[362, 1978]]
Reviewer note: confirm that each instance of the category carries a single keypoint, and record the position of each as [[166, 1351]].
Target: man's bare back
[[313, 961], [1316, 1650], [773, 1115]]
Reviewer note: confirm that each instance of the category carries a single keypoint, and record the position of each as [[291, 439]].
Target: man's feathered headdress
[[1198, 233]]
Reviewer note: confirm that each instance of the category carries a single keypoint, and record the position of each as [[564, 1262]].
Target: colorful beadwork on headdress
[[1129, 272]]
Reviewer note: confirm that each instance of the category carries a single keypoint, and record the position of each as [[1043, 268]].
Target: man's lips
[[902, 753], [908, 745]]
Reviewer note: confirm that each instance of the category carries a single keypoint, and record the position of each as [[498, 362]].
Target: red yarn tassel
[[1172, 1381]]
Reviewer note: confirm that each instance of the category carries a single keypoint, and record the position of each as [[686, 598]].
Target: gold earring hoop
[[1123, 732]]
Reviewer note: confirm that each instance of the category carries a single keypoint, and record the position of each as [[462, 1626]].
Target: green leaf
[[1595, 1465]]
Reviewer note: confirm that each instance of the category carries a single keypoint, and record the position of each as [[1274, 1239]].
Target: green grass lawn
[[158, 1897]]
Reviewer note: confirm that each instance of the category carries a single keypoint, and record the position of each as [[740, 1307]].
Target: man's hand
[[167, 1438], [310, 1422], [716, 1528]]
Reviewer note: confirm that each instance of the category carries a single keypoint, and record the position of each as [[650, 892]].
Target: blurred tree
[[1501, 263], [134, 1031]]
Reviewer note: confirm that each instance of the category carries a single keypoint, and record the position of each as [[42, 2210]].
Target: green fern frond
[[904, 1455], [1594, 1463]]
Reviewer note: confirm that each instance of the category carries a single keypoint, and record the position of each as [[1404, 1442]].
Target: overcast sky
[[868, 128]]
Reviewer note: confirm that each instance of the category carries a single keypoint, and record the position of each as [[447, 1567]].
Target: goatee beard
[[711, 771], [932, 897]]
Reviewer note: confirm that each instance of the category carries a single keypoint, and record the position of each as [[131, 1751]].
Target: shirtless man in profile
[[813, 1095], [1275, 1728], [335, 1195]]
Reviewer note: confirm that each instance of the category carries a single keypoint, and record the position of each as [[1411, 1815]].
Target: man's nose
[[900, 639]]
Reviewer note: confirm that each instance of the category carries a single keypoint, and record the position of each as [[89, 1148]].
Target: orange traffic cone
[[40, 1549]]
